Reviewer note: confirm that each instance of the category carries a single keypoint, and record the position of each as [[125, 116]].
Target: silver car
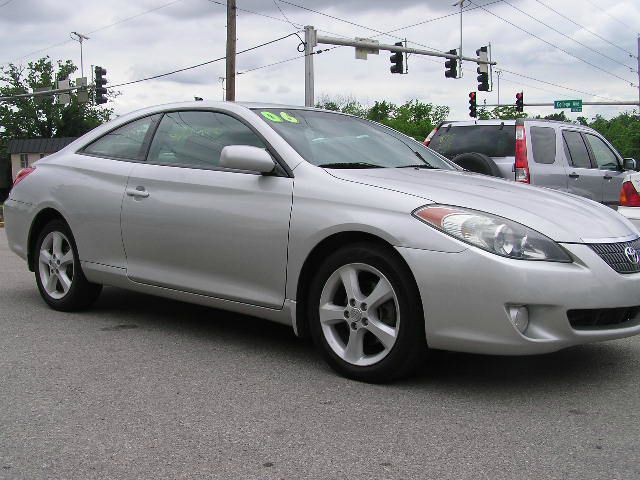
[[345, 230]]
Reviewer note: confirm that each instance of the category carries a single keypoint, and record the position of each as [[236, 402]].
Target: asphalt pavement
[[143, 387]]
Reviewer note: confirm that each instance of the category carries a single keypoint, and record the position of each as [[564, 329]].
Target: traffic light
[[451, 65], [473, 105], [100, 82], [520, 102], [397, 60], [483, 69]]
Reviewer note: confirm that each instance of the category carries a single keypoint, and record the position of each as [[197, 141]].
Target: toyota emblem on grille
[[632, 254]]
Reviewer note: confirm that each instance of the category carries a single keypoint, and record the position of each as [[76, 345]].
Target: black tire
[[81, 293], [410, 347], [477, 162]]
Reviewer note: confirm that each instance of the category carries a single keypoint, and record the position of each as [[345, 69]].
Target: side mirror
[[244, 157], [630, 164]]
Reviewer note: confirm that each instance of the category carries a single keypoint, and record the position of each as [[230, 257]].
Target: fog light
[[519, 316]]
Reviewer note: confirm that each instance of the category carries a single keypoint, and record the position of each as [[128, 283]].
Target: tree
[[41, 116], [413, 118]]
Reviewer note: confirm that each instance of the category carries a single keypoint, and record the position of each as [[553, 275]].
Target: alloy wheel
[[56, 264], [359, 314]]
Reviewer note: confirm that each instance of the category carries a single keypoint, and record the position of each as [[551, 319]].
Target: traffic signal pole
[[312, 39], [551, 104]]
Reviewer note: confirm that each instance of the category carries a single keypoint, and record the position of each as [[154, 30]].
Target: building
[[25, 151]]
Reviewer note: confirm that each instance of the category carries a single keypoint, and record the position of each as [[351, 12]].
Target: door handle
[[138, 192], [574, 175], [607, 177]]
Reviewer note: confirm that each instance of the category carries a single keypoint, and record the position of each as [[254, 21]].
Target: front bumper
[[632, 214], [466, 296]]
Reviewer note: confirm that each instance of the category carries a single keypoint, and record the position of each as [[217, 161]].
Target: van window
[[578, 154], [605, 158], [492, 140], [543, 144]]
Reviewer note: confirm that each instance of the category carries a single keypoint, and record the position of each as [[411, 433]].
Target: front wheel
[[59, 276], [365, 314]]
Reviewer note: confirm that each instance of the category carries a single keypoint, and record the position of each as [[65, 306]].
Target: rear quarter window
[[492, 140], [543, 144]]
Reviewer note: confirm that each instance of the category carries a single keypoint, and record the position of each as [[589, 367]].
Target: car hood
[[558, 215]]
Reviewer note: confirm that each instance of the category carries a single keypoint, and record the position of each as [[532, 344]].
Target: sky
[[137, 39]]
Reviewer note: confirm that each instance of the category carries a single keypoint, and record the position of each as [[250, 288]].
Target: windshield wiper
[[419, 165], [349, 165]]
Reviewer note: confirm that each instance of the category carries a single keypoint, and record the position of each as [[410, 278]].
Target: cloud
[[187, 32]]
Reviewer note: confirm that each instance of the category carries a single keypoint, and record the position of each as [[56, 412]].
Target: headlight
[[492, 233]]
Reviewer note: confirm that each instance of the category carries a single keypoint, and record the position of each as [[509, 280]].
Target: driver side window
[[604, 157], [195, 139]]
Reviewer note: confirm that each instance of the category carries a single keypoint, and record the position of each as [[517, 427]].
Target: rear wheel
[[365, 314], [59, 276]]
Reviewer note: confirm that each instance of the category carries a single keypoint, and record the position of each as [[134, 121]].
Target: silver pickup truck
[[560, 155]]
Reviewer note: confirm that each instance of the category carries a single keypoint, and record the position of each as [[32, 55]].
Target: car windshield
[[332, 140]]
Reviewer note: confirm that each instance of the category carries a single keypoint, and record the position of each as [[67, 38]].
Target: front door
[[584, 178], [189, 225], [610, 166]]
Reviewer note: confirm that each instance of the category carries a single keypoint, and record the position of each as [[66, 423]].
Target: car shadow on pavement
[[594, 363]]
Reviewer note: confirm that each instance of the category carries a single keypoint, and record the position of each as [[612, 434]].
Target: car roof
[[464, 123]]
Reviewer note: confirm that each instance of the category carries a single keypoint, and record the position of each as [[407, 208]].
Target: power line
[[260, 14], [5, 3], [586, 29], [317, 52], [609, 15], [153, 77], [555, 46], [555, 84], [570, 38], [122, 20]]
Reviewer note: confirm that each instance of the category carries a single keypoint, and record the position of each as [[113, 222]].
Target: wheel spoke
[[349, 277], [354, 350], [45, 257], [65, 281], [381, 293], [66, 259], [52, 283], [57, 244], [383, 332], [331, 314]]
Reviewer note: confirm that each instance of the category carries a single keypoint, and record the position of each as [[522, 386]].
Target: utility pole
[[231, 50], [461, 4], [79, 37], [310, 41], [639, 72], [498, 73]]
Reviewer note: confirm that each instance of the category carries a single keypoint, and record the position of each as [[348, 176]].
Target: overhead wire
[[191, 67], [569, 37], [611, 16], [555, 46], [586, 29], [117, 22]]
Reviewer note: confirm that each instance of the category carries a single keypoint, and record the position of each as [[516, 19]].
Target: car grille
[[614, 255], [590, 319]]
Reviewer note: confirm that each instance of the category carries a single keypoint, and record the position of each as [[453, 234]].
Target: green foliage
[[40, 116], [623, 131], [500, 113], [413, 118]]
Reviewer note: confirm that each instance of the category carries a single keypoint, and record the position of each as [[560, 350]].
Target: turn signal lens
[[22, 174], [629, 196]]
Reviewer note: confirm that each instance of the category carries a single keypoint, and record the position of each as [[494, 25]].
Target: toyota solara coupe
[[348, 231]]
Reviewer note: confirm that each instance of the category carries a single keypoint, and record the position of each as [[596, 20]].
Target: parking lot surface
[[142, 387]]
